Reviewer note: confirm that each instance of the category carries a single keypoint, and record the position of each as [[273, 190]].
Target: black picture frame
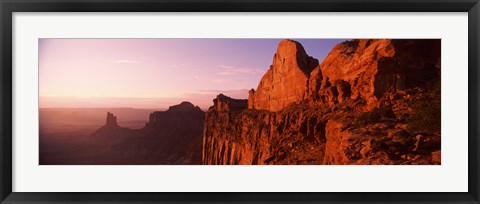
[[7, 7]]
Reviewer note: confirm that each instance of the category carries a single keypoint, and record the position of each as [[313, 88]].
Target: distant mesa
[[355, 69], [180, 115]]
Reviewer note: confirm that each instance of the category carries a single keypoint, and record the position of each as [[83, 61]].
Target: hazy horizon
[[155, 73]]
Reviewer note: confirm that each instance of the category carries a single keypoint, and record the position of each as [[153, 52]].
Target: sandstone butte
[[353, 108], [287, 79], [173, 136]]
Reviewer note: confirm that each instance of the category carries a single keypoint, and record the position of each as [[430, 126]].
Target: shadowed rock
[[173, 136], [184, 106]]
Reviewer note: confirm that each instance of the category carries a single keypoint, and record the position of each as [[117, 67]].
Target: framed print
[[259, 101]]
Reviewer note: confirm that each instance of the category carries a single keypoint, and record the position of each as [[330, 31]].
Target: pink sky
[[154, 73]]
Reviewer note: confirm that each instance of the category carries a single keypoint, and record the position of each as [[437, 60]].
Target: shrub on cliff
[[375, 115], [426, 108]]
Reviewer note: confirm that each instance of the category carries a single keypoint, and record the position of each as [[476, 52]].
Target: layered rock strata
[[356, 107]]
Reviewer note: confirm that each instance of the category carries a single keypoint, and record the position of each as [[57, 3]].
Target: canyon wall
[[353, 108], [366, 69], [263, 137], [287, 79]]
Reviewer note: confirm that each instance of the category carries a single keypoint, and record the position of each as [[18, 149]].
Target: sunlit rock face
[[366, 69], [353, 108], [287, 79]]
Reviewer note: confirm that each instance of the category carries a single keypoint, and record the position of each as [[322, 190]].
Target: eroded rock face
[[303, 134], [293, 136], [367, 69], [287, 79], [225, 103], [353, 110], [377, 143], [356, 69], [344, 146]]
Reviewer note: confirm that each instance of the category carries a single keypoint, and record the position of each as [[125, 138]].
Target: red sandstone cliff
[[287, 79], [369, 102]]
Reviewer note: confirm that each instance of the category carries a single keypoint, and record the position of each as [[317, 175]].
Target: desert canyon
[[370, 101]]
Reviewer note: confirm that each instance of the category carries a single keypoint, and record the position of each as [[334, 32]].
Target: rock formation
[[173, 136], [287, 79], [184, 106], [366, 69], [263, 137], [111, 120], [225, 103], [362, 105], [111, 129]]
